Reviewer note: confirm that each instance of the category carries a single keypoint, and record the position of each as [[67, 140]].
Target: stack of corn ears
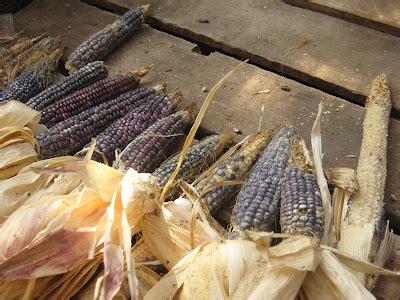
[[61, 219]]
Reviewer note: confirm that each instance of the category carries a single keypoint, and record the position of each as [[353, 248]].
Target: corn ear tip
[[177, 96], [146, 9], [191, 109], [160, 88], [70, 68], [139, 74]]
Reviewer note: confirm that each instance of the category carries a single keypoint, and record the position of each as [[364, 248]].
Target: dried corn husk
[[239, 269], [18, 147], [65, 230], [169, 234], [28, 187]]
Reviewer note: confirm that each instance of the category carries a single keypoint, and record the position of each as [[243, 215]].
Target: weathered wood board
[[383, 15], [323, 51], [237, 103]]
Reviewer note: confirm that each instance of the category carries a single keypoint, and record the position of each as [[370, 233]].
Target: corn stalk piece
[[83, 77], [101, 44], [363, 227]]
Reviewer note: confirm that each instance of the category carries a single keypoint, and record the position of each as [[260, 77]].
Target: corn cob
[[120, 133], [363, 227], [198, 158], [301, 203], [69, 136], [146, 152], [234, 168], [87, 75], [97, 93], [33, 80], [257, 204], [104, 42]]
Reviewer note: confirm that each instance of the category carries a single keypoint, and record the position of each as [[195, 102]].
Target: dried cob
[[87, 75], [104, 42], [120, 133], [44, 47], [198, 158], [69, 136], [33, 80], [258, 201], [301, 204], [146, 152], [363, 226], [234, 168], [97, 93]]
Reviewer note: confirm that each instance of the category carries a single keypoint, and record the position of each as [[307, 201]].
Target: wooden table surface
[[295, 63]]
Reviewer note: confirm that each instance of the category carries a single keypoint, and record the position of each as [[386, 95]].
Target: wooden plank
[[331, 54], [237, 104], [388, 287], [383, 15]]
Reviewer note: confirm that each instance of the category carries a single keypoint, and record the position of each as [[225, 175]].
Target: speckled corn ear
[[198, 158], [234, 168], [146, 152], [97, 93], [22, 88], [258, 201], [69, 136], [121, 132], [87, 75], [301, 205], [101, 44]]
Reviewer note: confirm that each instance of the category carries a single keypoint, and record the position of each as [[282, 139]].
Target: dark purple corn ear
[[154, 145], [101, 44], [121, 132], [90, 96], [69, 136], [89, 74]]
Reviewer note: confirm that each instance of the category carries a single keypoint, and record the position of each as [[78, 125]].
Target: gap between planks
[[348, 11], [240, 54], [288, 70]]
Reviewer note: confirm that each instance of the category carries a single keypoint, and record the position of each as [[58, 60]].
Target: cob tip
[[191, 108], [139, 74], [146, 9], [160, 88], [177, 96], [380, 92]]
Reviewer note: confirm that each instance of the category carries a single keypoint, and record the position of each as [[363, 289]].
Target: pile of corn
[[96, 201]]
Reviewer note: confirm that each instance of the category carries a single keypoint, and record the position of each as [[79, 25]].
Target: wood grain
[[383, 15], [323, 51]]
